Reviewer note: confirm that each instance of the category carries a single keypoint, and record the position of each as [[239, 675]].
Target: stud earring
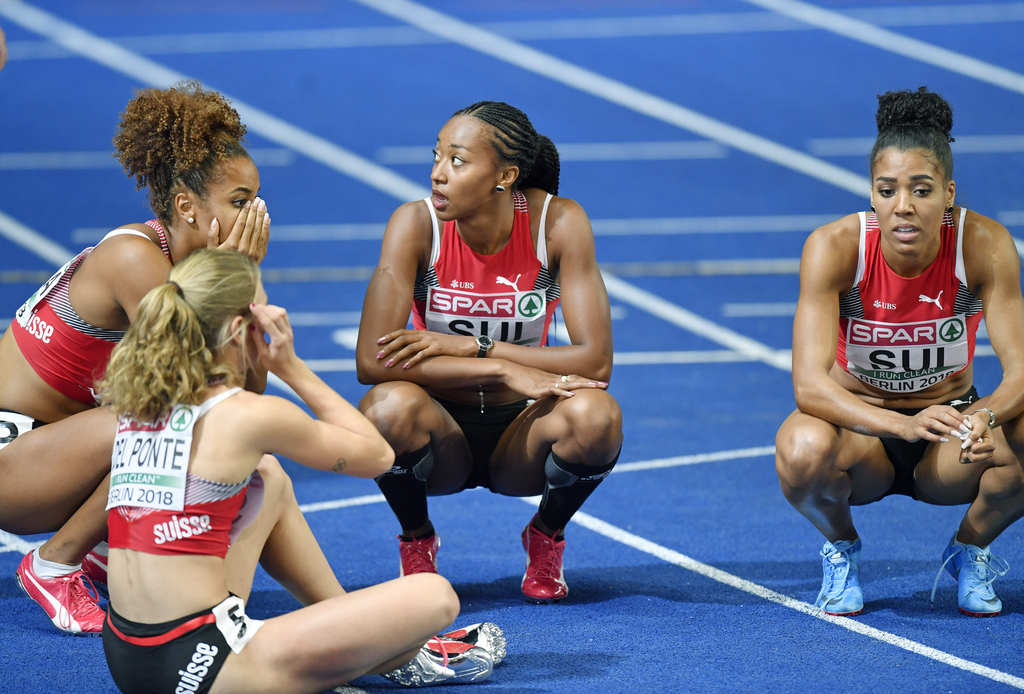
[[499, 189], [191, 220], [872, 208]]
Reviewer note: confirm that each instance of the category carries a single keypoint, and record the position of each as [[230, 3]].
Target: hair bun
[[920, 109]]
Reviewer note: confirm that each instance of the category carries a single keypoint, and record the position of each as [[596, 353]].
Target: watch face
[[484, 342]]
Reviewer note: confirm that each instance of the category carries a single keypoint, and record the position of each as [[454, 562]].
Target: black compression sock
[[568, 486], [405, 487]]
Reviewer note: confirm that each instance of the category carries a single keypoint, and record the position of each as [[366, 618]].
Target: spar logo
[[952, 330], [181, 420], [530, 304]]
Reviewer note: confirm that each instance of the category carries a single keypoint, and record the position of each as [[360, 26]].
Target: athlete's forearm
[[1007, 400], [438, 372], [827, 400], [583, 360]]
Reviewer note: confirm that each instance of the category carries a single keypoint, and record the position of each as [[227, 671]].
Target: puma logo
[[922, 297], [514, 284]]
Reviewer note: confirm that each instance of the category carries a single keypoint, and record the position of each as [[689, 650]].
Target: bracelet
[[991, 416]]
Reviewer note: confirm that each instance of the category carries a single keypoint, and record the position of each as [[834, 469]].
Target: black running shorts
[[905, 455], [483, 430], [182, 656]]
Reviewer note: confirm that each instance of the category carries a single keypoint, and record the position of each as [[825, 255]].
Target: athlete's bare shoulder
[[989, 250], [831, 253], [407, 238]]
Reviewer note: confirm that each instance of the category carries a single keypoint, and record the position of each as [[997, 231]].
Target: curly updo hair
[[516, 142], [169, 138], [915, 120]]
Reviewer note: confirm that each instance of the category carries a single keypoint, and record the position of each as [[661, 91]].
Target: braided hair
[[915, 120], [176, 137], [516, 142]]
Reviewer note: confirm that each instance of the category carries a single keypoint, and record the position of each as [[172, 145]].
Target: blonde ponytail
[[170, 352]]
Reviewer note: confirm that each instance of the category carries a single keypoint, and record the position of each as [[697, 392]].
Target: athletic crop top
[[214, 513], [510, 296], [904, 334], [69, 354]]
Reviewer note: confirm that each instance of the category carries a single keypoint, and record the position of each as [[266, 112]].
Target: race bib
[[906, 357], [24, 314], [236, 626], [12, 425], [150, 461], [514, 317]]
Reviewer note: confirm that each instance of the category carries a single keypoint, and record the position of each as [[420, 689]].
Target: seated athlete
[[883, 340], [467, 399], [185, 145], [195, 502]]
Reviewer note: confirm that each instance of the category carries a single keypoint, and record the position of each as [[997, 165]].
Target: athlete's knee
[[595, 421], [438, 596], [803, 454], [1002, 482], [398, 410]]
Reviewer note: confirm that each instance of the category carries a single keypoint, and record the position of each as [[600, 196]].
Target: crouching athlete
[[467, 399], [884, 336], [195, 502]]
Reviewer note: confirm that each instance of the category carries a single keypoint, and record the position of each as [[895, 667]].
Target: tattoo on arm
[[340, 465]]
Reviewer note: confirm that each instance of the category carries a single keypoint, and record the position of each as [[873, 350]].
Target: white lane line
[[1020, 246], [126, 62], [671, 556], [1012, 218], [32, 240], [13, 543], [584, 151], [695, 459], [896, 43], [653, 226], [49, 161], [282, 232], [542, 30], [677, 357], [712, 225], [342, 503], [616, 92], [325, 318], [787, 308], [965, 144], [688, 320]]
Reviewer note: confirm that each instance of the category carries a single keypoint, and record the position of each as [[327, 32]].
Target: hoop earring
[[499, 189], [191, 220]]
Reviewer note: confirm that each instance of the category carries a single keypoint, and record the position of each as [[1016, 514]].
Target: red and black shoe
[[419, 556], [543, 580]]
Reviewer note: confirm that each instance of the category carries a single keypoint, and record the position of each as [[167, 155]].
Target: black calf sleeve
[[405, 487], [567, 487]]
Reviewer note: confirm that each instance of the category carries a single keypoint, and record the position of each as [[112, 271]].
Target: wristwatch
[[485, 344]]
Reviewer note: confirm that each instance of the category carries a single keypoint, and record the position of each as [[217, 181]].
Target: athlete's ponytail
[[169, 353], [915, 120], [516, 142]]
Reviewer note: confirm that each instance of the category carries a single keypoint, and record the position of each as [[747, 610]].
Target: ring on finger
[[566, 379]]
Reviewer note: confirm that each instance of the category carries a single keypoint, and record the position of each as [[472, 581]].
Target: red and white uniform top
[[905, 334], [69, 354], [156, 506], [510, 296]]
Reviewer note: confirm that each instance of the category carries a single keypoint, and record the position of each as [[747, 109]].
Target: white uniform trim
[[124, 232], [435, 244], [860, 250], [542, 237], [961, 269]]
